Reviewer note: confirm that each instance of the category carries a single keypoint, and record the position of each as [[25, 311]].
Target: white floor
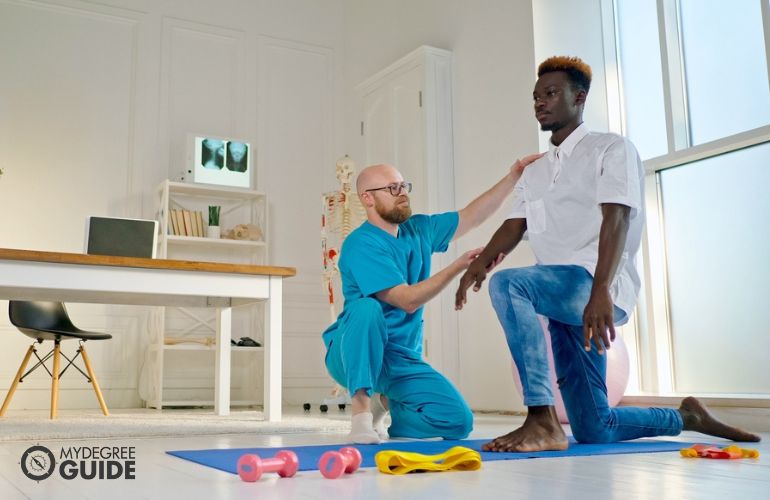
[[161, 476]]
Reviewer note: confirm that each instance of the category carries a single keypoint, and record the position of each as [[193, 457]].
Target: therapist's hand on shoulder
[[519, 165]]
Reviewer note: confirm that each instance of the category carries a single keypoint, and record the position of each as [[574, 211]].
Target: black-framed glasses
[[395, 188]]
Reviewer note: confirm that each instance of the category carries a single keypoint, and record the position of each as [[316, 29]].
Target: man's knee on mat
[[594, 430]]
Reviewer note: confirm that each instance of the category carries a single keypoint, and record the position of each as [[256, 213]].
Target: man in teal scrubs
[[376, 343]]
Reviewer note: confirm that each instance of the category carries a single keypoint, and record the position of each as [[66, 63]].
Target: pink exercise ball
[[617, 372]]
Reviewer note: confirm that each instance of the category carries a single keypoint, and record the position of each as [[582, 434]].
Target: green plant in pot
[[214, 230]]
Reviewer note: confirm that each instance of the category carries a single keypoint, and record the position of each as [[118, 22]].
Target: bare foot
[[697, 418], [541, 431]]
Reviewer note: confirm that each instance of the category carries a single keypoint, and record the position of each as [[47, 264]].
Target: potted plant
[[214, 231]]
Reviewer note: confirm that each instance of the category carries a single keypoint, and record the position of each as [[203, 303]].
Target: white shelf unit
[[175, 364]]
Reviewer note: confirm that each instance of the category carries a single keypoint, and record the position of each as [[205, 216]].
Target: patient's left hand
[[598, 320]]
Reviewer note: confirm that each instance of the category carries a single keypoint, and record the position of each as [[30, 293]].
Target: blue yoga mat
[[227, 459]]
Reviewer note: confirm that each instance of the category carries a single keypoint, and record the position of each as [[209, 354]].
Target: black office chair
[[50, 321]]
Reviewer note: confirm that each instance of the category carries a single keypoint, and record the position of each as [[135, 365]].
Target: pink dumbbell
[[251, 467], [334, 463]]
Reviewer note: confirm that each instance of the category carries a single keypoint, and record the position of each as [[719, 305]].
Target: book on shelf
[[172, 222], [180, 222], [193, 224], [199, 223], [187, 223]]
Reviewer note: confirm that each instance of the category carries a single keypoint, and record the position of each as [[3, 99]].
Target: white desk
[[67, 277]]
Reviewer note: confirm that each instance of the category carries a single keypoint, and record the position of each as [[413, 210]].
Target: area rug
[[151, 423], [227, 459]]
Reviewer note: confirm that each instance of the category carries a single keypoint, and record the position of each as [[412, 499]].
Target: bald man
[[375, 346]]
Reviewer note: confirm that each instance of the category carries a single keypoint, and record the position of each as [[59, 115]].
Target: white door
[[406, 121], [393, 129]]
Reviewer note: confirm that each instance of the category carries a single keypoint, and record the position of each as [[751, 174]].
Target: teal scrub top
[[373, 260]]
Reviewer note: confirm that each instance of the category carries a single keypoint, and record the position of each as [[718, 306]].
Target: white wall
[[574, 28], [493, 70], [96, 100]]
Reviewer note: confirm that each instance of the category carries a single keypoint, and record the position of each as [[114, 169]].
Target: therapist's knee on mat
[[461, 423], [465, 424], [447, 420]]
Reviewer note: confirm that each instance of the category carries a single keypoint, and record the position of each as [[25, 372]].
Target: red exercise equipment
[[251, 467], [335, 463]]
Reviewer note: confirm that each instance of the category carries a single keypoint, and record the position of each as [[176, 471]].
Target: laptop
[[121, 237]]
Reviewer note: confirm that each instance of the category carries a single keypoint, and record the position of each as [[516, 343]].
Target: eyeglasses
[[395, 188]]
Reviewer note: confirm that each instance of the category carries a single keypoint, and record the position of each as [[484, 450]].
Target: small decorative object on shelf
[[248, 232], [214, 231]]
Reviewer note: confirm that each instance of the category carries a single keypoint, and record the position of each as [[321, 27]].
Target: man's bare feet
[[697, 418], [541, 431]]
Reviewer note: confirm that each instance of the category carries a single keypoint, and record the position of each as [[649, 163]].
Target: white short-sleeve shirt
[[560, 196]]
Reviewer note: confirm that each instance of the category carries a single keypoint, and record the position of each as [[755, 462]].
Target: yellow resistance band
[[402, 462]]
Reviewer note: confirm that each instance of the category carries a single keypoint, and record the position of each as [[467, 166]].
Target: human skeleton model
[[342, 212]]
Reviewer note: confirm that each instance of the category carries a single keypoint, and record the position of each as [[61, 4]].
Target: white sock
[[362, 430], [378, 417]]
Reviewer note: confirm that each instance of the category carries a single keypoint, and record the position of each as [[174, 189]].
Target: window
[[641, 79], [716, 214], [725, 67]]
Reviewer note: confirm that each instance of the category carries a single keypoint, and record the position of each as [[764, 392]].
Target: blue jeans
[[561, 293], [423, 403]]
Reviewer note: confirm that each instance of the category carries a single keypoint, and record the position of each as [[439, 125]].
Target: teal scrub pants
[[423, 403]]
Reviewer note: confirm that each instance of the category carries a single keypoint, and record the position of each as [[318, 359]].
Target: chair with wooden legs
[[49, 321]]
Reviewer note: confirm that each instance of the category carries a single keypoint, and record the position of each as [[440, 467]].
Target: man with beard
[[376, 343], [582, 207]]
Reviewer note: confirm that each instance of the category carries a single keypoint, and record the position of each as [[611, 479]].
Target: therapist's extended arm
[[502, 243], [481, 208], [411, 297]]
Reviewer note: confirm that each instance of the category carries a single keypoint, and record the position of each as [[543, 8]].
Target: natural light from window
[[725, 67], [644, 112], [718, 262]]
